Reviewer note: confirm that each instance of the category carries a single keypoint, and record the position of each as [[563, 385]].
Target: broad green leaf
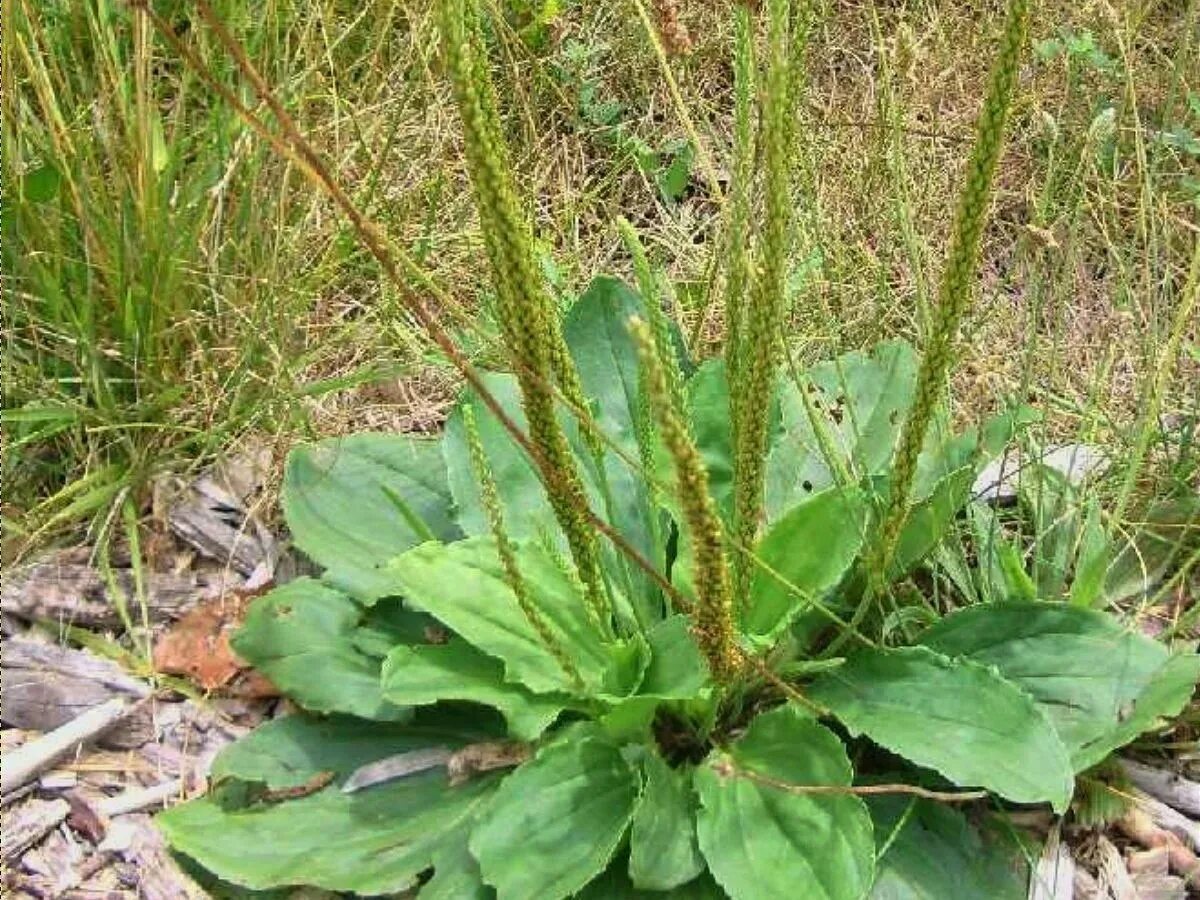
[[615, 884], [388, 623], [1094, 679], [662, 843], [938, 854], [677, 670], [42, 184], [930, 519], [463, 585], [673, 179], [861, 400], [708, 411], [420, 675], [955, 716], [557, 821], [630, 720], [527, 512], [946, 472], [456, 874], [288, 752], [302, 637], [375, 841], [340, 498], [762, 841], [1053, 507], [596, 331], [811, 547], [1171, 689]]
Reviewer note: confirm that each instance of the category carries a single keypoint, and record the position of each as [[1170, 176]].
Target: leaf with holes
[[860, 401], [304, 628]]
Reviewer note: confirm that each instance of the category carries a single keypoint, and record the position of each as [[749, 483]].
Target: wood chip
[[25, 824], [1170, 819], [31, 759], [213, 513], [1160, 887], [198, 647], [56, 859], [1150, 862], [1138, 826], [47, 685], [475, 759], [85, 818], [158, 875], [61, 590], [1114, 877], [392, 767], [141, 798], [1054, 877], [1086, 886], [1169, 787]]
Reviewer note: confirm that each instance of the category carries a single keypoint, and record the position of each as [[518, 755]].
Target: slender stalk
[[738, 250], [727, 769], [1185, 316], [707, 166]]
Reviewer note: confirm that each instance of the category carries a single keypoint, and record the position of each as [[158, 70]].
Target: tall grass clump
[[155, 256], [121, 188], [653, 664]]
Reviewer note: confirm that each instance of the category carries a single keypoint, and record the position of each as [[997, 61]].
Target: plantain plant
[[637, 624]]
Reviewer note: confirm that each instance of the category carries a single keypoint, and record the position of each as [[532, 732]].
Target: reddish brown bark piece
[[198, 647]]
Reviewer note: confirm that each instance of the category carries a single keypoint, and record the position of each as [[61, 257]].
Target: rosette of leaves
[[644, 774]]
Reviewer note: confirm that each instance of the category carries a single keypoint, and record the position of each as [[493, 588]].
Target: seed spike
[[527, 316], [713, 611], [957, 286], [756, 364]]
